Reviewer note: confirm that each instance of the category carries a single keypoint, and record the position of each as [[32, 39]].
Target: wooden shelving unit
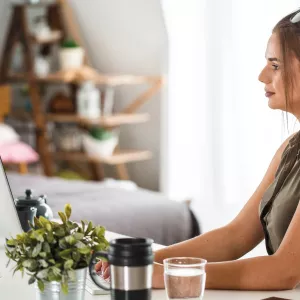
[[19, 32]]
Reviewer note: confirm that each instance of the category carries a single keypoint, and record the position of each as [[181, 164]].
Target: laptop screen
[[9, 220]]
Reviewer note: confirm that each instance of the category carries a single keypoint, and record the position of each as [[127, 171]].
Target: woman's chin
[[274, 104]]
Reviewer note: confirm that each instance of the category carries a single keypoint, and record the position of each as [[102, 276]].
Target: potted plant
[[100, 142], [56, 255], [71, 55]]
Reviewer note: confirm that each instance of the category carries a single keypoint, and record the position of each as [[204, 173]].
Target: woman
[[272, 213]]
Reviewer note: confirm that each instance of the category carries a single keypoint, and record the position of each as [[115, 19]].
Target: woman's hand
[[102, 269], [158, 276]]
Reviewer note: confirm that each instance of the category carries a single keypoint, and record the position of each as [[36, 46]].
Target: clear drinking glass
[[185, 277]]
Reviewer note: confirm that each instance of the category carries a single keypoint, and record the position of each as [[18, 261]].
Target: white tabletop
[[15, 288]]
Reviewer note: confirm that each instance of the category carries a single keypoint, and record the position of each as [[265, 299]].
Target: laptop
[[9, 221], [10, 224]]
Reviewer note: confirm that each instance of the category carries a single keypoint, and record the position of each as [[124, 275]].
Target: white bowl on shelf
[[97, 148]]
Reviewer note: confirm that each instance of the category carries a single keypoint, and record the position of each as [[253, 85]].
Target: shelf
[[85, 73], [105, 121], [20, 115], [21, 77], [123, 156], [39, 4], [56, 37]]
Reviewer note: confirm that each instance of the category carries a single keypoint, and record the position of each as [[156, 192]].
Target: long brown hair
[[289, 37]]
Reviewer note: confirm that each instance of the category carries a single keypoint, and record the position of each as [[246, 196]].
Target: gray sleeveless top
[[281, 199]]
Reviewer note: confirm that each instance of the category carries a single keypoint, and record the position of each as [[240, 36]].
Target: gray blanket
[[135, 212]]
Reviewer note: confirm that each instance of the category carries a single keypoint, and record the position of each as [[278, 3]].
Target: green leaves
[[71, 240], [37, 249], [89, 228], [64, 284], [84, 250], [37, 223], [78, 236], [11, 242], [68, 264], [43, 254], [54, 274], [65, 254], [76, 256], [42, 274], [31, 280], [50, 237], [80, 244], [37, 235], [68, 210], [52, 251], [83, 225], [43, 263], [59, 231], [28, 263], [62, 217], [41, 285], [99, 231], [46, 247]]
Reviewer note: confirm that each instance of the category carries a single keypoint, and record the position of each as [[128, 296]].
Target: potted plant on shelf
[[56, 255], [100, 142], [71, 55]]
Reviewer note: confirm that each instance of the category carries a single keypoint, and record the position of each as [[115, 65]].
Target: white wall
[[229, 133], [184, 113], [129, 37]]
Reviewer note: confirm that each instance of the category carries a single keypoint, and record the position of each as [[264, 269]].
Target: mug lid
[[131, 242]]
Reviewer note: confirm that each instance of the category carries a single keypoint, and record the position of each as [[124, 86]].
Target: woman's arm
[[257, 273], [227, 243], [277, 272]]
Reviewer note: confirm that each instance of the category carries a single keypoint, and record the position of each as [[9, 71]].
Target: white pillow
[[8, 134]]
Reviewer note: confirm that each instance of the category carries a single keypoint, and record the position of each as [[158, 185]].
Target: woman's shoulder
[[290, 141], [285, 147]]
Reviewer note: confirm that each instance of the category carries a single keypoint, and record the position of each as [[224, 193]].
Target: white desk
[[17, 288]]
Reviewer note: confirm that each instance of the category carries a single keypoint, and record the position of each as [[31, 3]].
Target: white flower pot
[[71, 58], [98, 148]]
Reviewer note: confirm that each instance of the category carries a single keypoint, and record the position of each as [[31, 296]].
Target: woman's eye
[[275, 67]]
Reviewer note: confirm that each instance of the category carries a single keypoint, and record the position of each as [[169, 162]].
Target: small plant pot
[[53, 290], [71, 58], [99, 148]]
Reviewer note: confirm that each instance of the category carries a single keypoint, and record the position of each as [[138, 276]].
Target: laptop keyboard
[[92, 288]]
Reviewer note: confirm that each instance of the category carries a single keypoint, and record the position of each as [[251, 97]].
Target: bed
[[119, 206]]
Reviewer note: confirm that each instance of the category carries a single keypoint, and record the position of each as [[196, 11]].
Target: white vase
[[71, 58], [42, 66], [88, 101]]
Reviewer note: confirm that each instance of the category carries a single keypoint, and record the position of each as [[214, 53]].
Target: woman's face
[[272, 77]]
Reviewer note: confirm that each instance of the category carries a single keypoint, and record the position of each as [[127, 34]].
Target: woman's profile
[[272, 213]]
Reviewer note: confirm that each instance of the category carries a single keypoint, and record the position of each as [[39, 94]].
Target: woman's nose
[[263, 76]]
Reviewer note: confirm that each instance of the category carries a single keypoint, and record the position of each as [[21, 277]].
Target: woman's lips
[[269, 94]]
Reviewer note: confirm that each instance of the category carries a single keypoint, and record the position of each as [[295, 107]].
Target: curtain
[[219, 135]]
